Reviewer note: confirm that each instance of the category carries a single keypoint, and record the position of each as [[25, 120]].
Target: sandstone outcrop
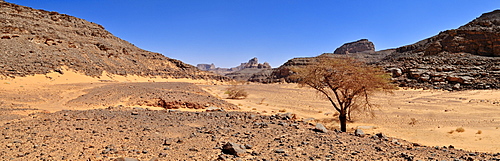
[[463, 58], [362, 45], [39, 42]]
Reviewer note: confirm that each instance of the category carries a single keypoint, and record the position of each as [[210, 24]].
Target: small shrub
[[235, 92], [413, 121], [320, 111], [262, 101], [451, 132], [282, 110], [460, 129], [254, 108], [479, 132]]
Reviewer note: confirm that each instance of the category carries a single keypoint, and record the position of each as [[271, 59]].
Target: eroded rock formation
[[362, 45]]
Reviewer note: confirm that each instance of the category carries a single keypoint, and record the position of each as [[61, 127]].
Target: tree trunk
[[343, 122]]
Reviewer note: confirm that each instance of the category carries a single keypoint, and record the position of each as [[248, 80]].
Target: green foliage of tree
[[345, 82]]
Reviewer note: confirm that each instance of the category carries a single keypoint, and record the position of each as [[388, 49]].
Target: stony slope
[[463, 58], [38, 42]]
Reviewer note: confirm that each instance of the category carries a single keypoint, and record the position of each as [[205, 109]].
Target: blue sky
[[229, 32]]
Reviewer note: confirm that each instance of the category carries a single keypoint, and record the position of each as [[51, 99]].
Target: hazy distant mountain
[[242, 72]]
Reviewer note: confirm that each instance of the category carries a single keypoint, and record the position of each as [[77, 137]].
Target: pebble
[[279, 151], [320, 128]]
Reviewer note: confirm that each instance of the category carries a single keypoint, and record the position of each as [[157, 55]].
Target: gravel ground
[[107, 134]]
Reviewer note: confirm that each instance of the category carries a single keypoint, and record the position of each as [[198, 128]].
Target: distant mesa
[[241, 72], [206, 67]]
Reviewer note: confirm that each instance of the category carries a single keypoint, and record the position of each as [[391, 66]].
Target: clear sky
[[229, 32]]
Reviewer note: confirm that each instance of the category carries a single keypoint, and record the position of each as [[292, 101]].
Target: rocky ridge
[[459, 59], [463, 58], [39, 42]]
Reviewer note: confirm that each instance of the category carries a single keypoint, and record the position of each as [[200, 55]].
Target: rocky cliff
[[39, 42], [463, 58]]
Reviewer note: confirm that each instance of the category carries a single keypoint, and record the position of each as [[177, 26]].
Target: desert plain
[[63, 117]]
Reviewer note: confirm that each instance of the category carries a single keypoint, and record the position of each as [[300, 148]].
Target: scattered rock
[[233, 149], [279, 151], [359, 132], [126, 159], [196, 131], [213, 109], [320, 128]]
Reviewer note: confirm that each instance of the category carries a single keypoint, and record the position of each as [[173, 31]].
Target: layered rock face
[[463, 58], [362, 45], [39, 42]]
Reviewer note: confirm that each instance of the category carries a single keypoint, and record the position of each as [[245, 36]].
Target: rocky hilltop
[[242, 72], [39, 42], [362, 45], [463, 58], [363, 50]]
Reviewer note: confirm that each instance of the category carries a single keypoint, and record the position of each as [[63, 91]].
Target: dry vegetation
[[236, 92], [345, 82]]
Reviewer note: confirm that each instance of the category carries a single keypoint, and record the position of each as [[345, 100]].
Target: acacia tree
[[345, 82]]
